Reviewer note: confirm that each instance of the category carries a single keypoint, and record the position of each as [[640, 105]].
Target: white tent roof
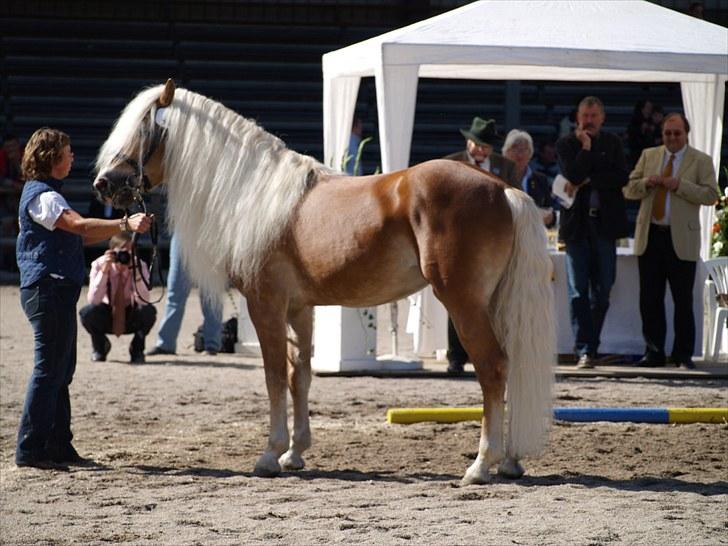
[[618, 40], [492, 39]]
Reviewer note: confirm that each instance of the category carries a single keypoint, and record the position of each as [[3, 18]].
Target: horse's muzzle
[[120, 194], [101, 184]]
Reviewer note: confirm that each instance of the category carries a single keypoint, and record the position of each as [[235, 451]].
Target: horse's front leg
[[299, 381], [268, 314]]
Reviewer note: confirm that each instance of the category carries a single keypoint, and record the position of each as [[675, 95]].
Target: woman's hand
[[140, 222], [109, 259]]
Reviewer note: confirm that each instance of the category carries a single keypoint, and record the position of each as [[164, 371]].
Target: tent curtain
[[339, 104], [703, 103], [396, 96]]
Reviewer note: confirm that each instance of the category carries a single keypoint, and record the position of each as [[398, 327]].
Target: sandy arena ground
[[176, 440]]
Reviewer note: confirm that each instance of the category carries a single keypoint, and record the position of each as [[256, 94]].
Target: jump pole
[[406, 416]]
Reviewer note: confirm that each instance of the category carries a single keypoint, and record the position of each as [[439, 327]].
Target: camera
[[122, 256]]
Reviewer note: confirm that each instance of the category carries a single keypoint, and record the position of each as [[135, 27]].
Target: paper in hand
[[559, 190]]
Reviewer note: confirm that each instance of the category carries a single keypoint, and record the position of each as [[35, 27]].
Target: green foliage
[[719, 240], [357, 160]]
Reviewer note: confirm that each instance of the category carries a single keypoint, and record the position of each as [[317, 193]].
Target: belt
[[660, 227], [594, 213]]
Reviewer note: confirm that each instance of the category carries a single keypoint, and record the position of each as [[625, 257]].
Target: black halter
[[142, 185]]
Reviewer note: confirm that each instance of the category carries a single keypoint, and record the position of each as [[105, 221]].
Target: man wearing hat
[[479, 141]]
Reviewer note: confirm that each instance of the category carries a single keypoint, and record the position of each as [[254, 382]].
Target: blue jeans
[[45, 425], [178, 289], [591, 268]]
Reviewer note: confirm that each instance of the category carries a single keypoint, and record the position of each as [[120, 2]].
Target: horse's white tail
[[523, 316]]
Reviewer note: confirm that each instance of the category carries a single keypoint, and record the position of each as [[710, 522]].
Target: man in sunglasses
[[672, 181]]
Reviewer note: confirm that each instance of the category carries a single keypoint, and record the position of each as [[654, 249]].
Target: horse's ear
[[165, 99]]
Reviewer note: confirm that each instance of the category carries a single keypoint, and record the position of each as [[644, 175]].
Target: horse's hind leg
[[489, 361], [268, 313], [299, 381]]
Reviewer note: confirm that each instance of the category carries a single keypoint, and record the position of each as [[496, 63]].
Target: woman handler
[[49, 251]]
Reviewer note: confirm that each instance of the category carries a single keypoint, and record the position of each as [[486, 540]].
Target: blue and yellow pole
[[584, 415]]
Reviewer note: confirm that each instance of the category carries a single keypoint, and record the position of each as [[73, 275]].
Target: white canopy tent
[[516, 40], [531, 40]]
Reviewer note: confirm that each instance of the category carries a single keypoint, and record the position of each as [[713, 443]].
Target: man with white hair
[[518, 147]]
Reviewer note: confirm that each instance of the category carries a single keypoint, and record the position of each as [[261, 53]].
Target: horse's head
[[137, 165]]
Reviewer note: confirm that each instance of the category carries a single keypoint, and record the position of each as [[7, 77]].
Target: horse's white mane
[[232, 186]]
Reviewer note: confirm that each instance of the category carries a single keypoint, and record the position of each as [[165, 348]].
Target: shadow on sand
[[646, 483]]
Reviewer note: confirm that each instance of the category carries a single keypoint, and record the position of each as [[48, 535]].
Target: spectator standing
[[656, 118], [518, 147], [178, 290], [49, 253], [641, 130], [546, 161], [11, 155], [671, 181], [479, 141], [11, 186], [118, 302], [593, 162]]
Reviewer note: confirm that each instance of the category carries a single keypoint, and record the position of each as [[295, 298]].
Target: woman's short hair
[[120, 239], [43, 150], [516, 136]]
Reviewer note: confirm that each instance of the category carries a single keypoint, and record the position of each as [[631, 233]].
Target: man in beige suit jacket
[[672, 181]]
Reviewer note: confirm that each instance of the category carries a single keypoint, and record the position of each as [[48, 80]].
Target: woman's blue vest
[[40, 252]]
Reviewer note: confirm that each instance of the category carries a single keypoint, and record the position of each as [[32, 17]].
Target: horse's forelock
[[127, 126]]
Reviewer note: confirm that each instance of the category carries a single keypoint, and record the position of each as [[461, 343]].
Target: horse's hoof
[[291, 461], [511, 468], [476, 475], [267, 467]]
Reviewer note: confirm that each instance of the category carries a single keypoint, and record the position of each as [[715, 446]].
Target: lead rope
[[154, 235]]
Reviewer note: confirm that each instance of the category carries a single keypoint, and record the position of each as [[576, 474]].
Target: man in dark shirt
[[594, 164]]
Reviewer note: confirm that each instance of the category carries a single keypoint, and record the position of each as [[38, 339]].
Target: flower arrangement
[[719, 240]]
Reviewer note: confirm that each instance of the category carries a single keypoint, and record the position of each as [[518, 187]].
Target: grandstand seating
[[78, 75]]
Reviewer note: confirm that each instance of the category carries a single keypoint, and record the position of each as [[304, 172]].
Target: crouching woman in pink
[[118, 300]]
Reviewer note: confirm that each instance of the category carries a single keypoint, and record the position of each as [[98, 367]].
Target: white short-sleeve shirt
[[46, 208]]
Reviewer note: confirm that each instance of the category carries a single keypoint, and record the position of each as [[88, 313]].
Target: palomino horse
[[290, 233]]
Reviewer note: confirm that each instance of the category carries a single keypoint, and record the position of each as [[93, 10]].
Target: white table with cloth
[[622, 331]]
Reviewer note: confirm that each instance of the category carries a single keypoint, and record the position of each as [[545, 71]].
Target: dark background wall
[[73, 65]]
